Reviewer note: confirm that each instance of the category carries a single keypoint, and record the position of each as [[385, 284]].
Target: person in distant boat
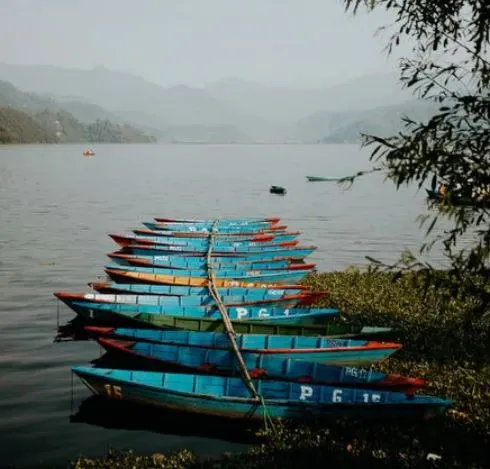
[[442, 189]]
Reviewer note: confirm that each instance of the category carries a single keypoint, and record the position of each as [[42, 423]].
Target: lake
[[57, 208]]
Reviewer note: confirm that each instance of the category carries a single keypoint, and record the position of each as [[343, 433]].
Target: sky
[[301, 43]]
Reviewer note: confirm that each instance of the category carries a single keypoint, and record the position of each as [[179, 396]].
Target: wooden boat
[[175, 290], [206, 324], [229, 221], [339, 352], [201, 245], [268, 314], [276, 276], [257, 227], [206, 300], [122, 274], [293, 253], [318, 178], [251, 241], [229, 397], [223, 238], [189, 263], [264, 366], [279, 235]]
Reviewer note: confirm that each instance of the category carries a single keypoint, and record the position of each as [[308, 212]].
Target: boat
[[281, 235], [264, 366], [318, 178], [333, 328], [189, 263], [129, 275], [200, 245], [277, 313], [294, 253], [256, 227], [278, 190], [230, 397], [225, 221], [287, 300], [222, 238], [276, 276], [88, 152], [175, 290], [340, 352], [457, 200]]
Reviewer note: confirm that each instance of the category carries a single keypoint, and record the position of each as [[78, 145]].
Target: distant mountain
[[346, 127], [46, 121], [131, 96], [287, 105], [230, 110], [18, 127]]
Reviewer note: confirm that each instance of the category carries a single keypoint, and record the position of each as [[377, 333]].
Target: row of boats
[[211, 317]]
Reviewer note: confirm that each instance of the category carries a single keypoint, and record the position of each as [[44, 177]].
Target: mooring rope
[[229, 326]]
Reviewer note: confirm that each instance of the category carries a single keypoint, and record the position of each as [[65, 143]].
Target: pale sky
[[283, 42]]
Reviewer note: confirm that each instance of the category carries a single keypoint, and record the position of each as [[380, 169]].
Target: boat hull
[[225, 361], [228, 397]]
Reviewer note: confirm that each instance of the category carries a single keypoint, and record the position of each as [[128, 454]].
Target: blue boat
[[260, 365], [180, 301], [298, 253], [180, 237], [221, 227], [265, 314], [201, 244], [272, 276], [200, 357], [190, 263], [223, 221], [177, 290], [229, 397], [245, 342]]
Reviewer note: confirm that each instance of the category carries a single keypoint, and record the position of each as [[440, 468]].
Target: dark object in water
[[457, 199], [277, 190]]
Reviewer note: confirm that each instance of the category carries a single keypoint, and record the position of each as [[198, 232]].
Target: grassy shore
[[439, 345]]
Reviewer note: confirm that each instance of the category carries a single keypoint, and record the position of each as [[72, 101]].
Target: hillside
[[346, 127], [18, 127], [59, 122]]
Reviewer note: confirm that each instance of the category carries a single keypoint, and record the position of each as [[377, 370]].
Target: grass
[[439, 345]]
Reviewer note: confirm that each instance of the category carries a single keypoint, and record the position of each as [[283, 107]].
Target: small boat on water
[[278, 325], [255, 227], [189, 263], [221, 221], [128, 274], [278, 190], [241, 238], [220, 361], [297, 253], [340, 353], [277, 313], [457, 200], [276, 276], [230, 397], [200, 245], [175, 290], [318, 178], [279, 235], [88, 152]]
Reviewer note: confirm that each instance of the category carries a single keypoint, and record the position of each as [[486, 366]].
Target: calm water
[[56, 208]]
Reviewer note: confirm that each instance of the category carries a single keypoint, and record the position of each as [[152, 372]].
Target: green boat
[[318, 178], [334, 329]]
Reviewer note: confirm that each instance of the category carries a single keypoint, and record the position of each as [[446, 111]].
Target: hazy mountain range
[[230, 110]]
